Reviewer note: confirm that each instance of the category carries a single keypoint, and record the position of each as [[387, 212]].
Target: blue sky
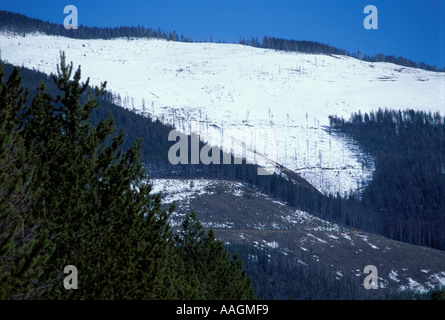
[[414, 29]]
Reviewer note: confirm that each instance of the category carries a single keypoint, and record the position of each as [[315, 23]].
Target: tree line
[[401, 61], [71, 195], [21, 24], [320, 48]]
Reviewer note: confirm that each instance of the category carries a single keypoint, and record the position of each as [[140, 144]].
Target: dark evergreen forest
[[278, 276], [407, 192]]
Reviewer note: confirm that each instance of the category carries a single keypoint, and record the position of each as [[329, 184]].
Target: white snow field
[[271, 102]]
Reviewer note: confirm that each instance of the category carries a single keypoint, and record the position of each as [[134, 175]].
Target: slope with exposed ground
[[239, 214]]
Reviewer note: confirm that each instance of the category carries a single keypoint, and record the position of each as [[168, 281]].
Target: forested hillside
[[279, 276], [407, 193]]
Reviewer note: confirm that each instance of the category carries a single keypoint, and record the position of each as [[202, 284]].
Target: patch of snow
[[347, 237], [318, 239], [299, 217], [393, 276], [365, 239], [416, 286], [181, 189], [438, 279], [272, 244], [238, 192], [215, 225], [302, 262], [382, 283]]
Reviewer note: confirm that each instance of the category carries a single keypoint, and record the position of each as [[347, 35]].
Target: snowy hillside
[[277, 103]]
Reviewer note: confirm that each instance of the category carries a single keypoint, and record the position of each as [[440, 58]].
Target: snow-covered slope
[[232, 94]]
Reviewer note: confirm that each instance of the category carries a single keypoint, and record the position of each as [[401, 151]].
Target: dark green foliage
[[438, 295], [220, 277], [117, 237], [406, 197], [92, 199], [22, 240]]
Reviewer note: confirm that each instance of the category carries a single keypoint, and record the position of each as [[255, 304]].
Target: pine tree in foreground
[[96, 200], [21, 240], [94, 203]]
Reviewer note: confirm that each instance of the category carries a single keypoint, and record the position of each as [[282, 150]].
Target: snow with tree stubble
[[227, 93]]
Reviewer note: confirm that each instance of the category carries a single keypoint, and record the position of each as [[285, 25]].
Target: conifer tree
[[221, 276], [21, 240], [96, 200]]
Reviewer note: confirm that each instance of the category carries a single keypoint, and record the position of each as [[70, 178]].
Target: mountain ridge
[[22, 23]]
